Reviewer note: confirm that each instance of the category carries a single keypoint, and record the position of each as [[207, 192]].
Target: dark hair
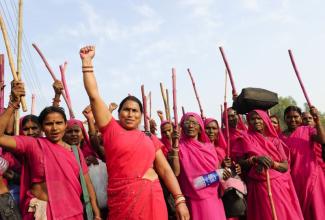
[[292, 108], [32, 118], [49, 110], [130, 98]]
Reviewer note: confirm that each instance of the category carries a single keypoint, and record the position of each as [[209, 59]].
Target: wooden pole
[[226, 116], [183, 110], [269, 191], [150, 104], [33, 112], [174, 98], [168, 106], [164, 100], [10, 58], [299, 78], [2, 83], [144, 101], [234, 92], [221, 114], [62, 71], [196, 93], [20, 33]]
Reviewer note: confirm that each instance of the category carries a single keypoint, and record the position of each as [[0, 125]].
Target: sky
[[138, 42]]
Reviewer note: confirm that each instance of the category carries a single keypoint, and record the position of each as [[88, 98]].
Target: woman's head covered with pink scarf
[[166, 130], [73, 139], [219, 140], [202, 136]]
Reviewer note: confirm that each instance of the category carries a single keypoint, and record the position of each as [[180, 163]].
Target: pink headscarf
[[86, 146], [240, 124], [167, 145], [197, 158]]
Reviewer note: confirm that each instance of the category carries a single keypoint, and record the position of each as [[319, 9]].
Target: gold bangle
[[87, 71], [87, 66]]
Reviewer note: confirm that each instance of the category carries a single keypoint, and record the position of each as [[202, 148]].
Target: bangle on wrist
[[13, 105], [85, 66], [275, 165]]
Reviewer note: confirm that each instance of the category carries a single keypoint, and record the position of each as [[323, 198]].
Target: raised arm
[[58, 87], [99, 108], [320, 136], [173, 154], [17, 90]]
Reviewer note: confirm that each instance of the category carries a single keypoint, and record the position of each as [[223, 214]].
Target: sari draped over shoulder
[[197, 158], [129, 154], [60, 172], [284, 195], [307, 171]]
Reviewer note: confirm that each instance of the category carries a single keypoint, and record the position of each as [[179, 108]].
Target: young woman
[[50, 172], [195, 156], [307, 165], [133, 158], [265, 152]]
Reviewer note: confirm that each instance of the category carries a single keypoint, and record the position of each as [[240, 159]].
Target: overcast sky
[[138, 42]]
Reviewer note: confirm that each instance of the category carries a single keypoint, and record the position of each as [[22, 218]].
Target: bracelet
[[180, 199], [56, 100], [177, 196], [275, 165], [13, 105], [87, 66], [181, 202], [87, 71], [251, 160], [175, 149]]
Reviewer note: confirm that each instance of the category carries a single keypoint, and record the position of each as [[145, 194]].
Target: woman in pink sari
[[265, 151], [50, 185], [307, 165], [133, 158], [196, 157]]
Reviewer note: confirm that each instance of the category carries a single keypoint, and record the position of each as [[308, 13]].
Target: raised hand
[[17, 91], [58, 87], [88, 113], [314, 112], [112, 106], [87, 53], [160, 115]]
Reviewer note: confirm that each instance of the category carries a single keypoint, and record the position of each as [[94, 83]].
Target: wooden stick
[[183, 110], [226, 116], [62, 71], [168, 106], [164, 99], [33, 104], [196, 93], [150, 105], [11, 60], [2, 83], [144, 101], [174, 98], [299, 78], [234, 92], [221, 114], [20, 33], [269, 191]]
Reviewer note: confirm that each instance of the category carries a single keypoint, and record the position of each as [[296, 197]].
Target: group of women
[[151, 178]]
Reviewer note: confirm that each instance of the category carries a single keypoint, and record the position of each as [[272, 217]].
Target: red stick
[[2, 82], [299, 79], [33, 104], [144, 101], [168, 106], [196, 93], [174, 98], [234, 92], [62, 71], [227, 129]]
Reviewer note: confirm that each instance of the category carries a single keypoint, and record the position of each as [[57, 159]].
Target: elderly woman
[[195, 156], [50, 169], [265, 152], [307, 165], [133, 158]]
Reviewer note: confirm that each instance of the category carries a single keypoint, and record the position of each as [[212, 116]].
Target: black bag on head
[[255, 98]]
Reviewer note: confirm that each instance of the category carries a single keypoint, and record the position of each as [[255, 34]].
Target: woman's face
[[212, 130], [275, 123], [167, 130], [232, 118], [293, 120], [191, 127], [130, 115], [32, 129], [73, 135], [307, 119], [54, 127], [256, 122]]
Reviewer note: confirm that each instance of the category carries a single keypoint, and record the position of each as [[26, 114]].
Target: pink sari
[[308, 172], [284, 195], [61, 172], [129, 154], [199, 157], [220, 142]]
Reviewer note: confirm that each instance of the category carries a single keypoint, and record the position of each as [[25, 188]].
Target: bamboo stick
[[183, 110], [33, 104], [2, 83], [269, 191], [144, 101], [164, 99], [168, 106], [20, 32], [196, 93], [226, 116], [174, 98], [11, 60], [234, 92], [62, 71], [299, 78]]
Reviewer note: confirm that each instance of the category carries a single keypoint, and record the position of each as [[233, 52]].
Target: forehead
[[30, 123], [191, 118], [73, 127], [231, 112], [212, 124], [306, 114], [166, 126], [293, 113], [131, 104], [53, 116], [255, 115]]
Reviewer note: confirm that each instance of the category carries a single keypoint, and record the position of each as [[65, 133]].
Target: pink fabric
[[198, 157], [220, 142], [61, 176], [284, 195], [167, 145], [307, 171], [129, 154], [86, 148]]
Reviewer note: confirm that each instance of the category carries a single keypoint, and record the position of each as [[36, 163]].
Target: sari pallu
[[308, 172], [197, 158], [283, 192]]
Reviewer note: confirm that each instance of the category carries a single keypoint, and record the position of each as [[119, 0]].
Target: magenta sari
[[308, 172], [284, 195], [44, 161], [199, 157]]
